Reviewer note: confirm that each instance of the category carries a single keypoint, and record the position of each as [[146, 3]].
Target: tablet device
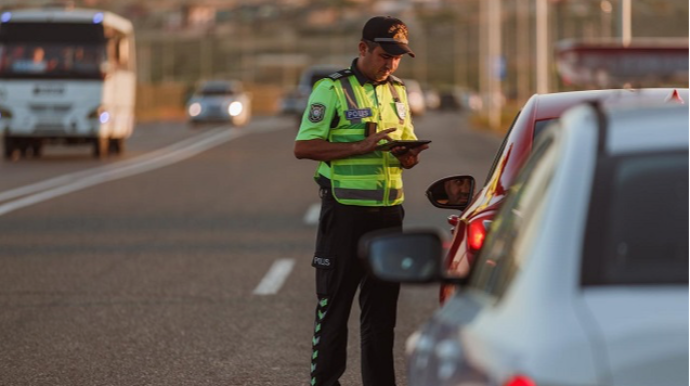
[[410, 144]]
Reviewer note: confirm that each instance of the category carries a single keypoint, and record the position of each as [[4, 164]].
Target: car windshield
[[217, 89], [639, 222]]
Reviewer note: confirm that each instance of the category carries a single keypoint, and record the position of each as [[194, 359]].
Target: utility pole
[[625, 22], [495, 62], [484, 71], [460, 56], [542, 43], [490, 59], [523, 49]]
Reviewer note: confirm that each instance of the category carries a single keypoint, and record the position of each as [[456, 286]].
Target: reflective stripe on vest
[[350, 97], [372, 179], [376, 195]]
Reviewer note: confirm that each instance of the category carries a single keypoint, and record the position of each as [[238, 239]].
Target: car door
[[470, 308]]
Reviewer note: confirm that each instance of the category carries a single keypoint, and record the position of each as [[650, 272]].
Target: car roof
[[635, 128], [220, 84], [549, 106], [518, 143]]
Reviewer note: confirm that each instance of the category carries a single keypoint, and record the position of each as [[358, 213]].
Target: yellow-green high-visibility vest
[[372, 179]]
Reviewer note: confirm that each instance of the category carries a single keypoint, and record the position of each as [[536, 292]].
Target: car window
[[499, 153], [539, 126], [217, 89], [513, 227], [638, 222]]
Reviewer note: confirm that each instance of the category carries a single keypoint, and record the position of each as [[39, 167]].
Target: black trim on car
[[634, 260]]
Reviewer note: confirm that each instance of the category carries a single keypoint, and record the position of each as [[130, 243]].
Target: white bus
[[67, 75]]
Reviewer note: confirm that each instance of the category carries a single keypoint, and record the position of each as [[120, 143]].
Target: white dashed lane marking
[[58, 186], [275, 277]]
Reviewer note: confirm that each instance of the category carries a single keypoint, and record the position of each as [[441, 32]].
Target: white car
[[220, 101], [583, 279]]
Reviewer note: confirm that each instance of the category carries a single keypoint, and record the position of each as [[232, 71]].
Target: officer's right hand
[[369, 143]]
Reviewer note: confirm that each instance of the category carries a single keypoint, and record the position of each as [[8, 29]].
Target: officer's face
[[377, 64]]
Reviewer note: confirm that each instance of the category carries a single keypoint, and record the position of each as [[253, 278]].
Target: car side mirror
[[454, 192], [413, 257]]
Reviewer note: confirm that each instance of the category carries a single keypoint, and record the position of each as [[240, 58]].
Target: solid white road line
[[73, 177], [312, 215], [121, 171], [67, 178], [275, 277]]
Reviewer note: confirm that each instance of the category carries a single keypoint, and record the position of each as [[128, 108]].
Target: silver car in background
[[220, 101], [583, 279]]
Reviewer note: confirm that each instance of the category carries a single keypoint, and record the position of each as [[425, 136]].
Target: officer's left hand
[[408, 157]]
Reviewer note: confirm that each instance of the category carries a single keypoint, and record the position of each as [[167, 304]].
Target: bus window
[[59, 51], [59, 61]]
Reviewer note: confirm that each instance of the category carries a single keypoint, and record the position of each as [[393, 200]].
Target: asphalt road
[[144, 269]]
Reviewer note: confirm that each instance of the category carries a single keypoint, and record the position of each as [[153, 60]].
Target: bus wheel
[[116, 145], [100, 147]]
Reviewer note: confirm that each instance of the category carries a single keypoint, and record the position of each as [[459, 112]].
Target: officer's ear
[[362, 48]]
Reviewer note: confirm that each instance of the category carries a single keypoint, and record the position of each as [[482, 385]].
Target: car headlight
[[235, 108], [5, 113], [194, 109]]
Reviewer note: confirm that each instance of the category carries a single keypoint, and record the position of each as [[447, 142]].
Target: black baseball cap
[[389, 32]]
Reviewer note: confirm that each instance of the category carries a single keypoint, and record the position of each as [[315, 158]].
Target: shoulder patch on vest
[[340, 74], [316, 112]]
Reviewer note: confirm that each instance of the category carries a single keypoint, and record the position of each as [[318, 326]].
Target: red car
[[471, 226]]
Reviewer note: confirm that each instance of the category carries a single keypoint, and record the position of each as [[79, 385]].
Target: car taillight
[[476, 233], [442, 362], [520, 380]]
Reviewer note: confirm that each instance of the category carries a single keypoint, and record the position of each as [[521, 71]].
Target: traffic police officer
[[348, 114]]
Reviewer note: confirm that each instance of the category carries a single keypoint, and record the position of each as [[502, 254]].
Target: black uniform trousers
[[338, 275]]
